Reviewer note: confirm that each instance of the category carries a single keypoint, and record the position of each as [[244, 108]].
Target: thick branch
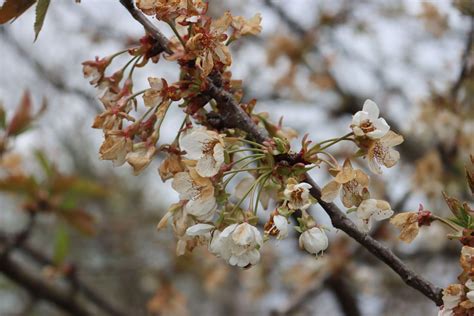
[[344, 295], [83, 288], [236, 117], [342, 222], [232, 114], [40, 288]]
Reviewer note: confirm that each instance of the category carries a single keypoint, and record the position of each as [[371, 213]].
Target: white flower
[[470, 285], [451, 298], [381, 152], [297, 195], [371, 210], [314, 240], [238, 244], [207, 147], [281, 223], [367, 122], [198, 192]]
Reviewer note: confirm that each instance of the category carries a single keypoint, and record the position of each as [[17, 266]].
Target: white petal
[[207, 166], [371, 108], [470, 284], [470, 296], [201, 207], [304, 185], [193, 142], [183, 184], [253, 256], [281, 223], [199, 229], [359, 117], [243, 234], [228, 230], [219, 154]]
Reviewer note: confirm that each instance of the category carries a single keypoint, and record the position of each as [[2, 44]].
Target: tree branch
[[149, 27], [40, 288], [236, 117], [43, 72], [343, 294], [82, 287]]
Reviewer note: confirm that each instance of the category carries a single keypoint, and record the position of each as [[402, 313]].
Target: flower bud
[[313, 240]]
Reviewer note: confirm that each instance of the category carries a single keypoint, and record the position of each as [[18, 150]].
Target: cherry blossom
[[381, 152], [207, 147], [313, 240], [372, 210], [367, 122], [297, 195], [197, 192], [238, 244], [354, 185]]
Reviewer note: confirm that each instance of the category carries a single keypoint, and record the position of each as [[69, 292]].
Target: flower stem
[[251, 143], [133, 68], [175, 31], [330, 142], [447, 223], [247, 169], [246, 149], [129, 62], [259, 156], [259, 192], [226, 182], [250, 190]]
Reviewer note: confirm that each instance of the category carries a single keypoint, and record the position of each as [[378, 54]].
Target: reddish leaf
[[81, 220], [22, 117], [12, 9]]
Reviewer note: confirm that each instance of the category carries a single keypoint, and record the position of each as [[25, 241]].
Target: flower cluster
[[205, 160], [458, 299]]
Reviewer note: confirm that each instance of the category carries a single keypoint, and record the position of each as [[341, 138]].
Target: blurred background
[[314, 64]]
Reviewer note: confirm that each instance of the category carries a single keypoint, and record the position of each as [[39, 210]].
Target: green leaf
[[61, 245], [12, 9], [3, 117], [41, 9], [44, 163]]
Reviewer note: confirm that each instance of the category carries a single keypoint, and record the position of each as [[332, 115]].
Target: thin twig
[[467, 54], [45, 74], [149, 27]]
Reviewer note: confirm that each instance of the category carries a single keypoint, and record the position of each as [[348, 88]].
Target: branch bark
[[236, 117], [88, 292], [41, 288], [149, 27]]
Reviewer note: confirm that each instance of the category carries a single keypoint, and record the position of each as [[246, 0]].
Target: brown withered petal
[[347, 173], [408, 224], [140, 158], [467, 259], [170, 166], [330, 191]]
